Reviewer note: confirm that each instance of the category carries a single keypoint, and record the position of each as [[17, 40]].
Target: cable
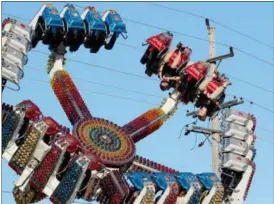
[[213, 21], [267, 141], [190, 36], [139, 76], [127, 73], [125, 97], [261, 128], [249, 83], [114, 70], [139, 48], [252, 102], [105, 85], [186, 35], [202, 39], [100, 93], [194, 37], [101, 67]]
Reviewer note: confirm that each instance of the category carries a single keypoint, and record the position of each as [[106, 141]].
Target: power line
[[105, 85], [101, 67], [262, 139], [129, 90], [251, 84], [265, 130], [213, 21], [253, 103], [125, 90], [194, 37], [127, 73], [100, 93], [139, 76], [182, 34], [139, 48], [202, 39]]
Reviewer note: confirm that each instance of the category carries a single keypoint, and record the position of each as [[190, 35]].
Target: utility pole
[[215, 120]]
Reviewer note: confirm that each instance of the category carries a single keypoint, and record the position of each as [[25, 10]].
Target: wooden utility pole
[[215, 120]]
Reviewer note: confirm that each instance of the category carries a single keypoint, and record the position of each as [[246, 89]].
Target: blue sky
[[163, 146]]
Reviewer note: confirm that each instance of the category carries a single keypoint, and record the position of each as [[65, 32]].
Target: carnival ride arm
[[65, 89], [153, 119]]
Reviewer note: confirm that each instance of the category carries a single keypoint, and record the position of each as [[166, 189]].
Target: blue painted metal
[[162, 179], [208, 179], [52, 18], [115, 23], [73, 19], [138, 179], [186, 179], [94, 21]]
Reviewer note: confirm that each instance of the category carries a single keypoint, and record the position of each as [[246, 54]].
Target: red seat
[[184, 57], [214, 84], [160, 42], [32, 110], [53, 126], [196, 71]]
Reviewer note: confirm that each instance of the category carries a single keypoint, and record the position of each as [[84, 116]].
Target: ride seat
[[216, 87], [160, 42], [196, 71]]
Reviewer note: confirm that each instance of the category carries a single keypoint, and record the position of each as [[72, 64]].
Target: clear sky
[[163, 146]]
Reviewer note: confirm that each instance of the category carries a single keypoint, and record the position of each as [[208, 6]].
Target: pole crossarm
[[225, 105], [202, 130]]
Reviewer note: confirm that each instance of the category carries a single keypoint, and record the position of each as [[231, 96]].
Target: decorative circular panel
[[105, 139]]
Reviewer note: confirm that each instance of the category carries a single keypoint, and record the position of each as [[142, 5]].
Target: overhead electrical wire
[[106, 85], [135, 75], [213, 21], [110, 69], [202, 39], [131, 74], [101, 67], [251, 102], [191, 36], [100, 93], [139, 48], [250, 84], [139, 101], [122, 89], [182, 34]]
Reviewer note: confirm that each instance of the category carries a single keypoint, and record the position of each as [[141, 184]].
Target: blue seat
[[115, 23], [52, 18], [162, 179], [186, 179], [73, 19], [208, 179], [138, 178], [94, 21]]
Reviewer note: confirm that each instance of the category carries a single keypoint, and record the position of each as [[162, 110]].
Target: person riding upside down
[[158, 47], [212, 97], [173, 62], [187, 80]]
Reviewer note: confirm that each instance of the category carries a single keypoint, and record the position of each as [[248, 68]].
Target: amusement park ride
[[97, 160]]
